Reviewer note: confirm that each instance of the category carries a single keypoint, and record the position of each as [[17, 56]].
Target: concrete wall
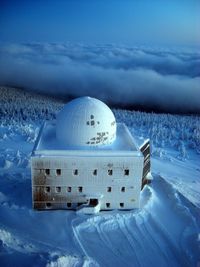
[[72, 180]]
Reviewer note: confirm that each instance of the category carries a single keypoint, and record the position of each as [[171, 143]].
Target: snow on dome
[[86, 121]]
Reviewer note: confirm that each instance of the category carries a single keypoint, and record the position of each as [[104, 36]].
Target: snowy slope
[[164, 232]]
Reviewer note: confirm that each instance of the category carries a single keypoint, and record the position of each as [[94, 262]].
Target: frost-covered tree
[[19, 109]]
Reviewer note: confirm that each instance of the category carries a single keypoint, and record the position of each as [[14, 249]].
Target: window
[[47, 171], [107, 205], [93, 202], [69, 205], [126, 172], [48, 205], [121, 205], [47, 189], [80, 189], [92, 123], [58, 172], [110, 172], [123, 189], [58, 189], [88, 123], [75, 172], [109, 189], [95, 172], [69, 189], [92, 117]]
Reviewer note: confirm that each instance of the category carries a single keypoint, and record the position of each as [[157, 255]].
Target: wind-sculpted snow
[[164, 232], [157, 235]]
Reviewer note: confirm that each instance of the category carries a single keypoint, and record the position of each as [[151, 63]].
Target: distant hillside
[[19, 104]]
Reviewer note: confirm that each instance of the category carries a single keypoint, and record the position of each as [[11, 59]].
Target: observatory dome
[[86, 121]]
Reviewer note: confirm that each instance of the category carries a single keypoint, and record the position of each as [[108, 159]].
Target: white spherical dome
[[86, 121]]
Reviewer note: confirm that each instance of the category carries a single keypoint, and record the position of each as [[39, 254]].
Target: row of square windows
[[57, 189], [76, 172], [69, 205]]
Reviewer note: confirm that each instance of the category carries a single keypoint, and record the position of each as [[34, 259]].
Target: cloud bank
[[164, 79]]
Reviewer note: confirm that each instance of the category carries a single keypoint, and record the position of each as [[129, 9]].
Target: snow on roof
[[86, 121], [47, 143]]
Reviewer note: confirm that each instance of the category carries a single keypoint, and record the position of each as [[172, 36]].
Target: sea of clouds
[[165, 79]]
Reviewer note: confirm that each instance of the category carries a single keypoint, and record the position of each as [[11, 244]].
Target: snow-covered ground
[[164, 232]]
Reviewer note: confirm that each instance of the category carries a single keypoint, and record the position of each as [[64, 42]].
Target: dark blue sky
[[99, 21]]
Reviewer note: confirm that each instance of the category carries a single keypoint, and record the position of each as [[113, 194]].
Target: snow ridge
[[132, 238]]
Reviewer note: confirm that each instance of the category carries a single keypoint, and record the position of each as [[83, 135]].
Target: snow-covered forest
[[175, 131]]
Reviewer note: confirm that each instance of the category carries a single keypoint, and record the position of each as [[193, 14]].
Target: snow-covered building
[[85, 160]]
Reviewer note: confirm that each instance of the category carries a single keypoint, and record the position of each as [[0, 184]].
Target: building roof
[[85, 121], [48, 144]]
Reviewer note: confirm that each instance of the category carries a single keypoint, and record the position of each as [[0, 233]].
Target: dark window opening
[[123, 189], [88, 123], [80, 189], [121, 205], [110, 172], [107, 205], [126, 172], [109, 189], [48, 205], [69, 189], [69, 205], [47, 189], [95, 172], [92, 123], [47, 171], [92, 117], [75, 172], [58, 172], [58, 189], [93, 202]]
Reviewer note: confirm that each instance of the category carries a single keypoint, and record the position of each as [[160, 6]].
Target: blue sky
[[173, 22]]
